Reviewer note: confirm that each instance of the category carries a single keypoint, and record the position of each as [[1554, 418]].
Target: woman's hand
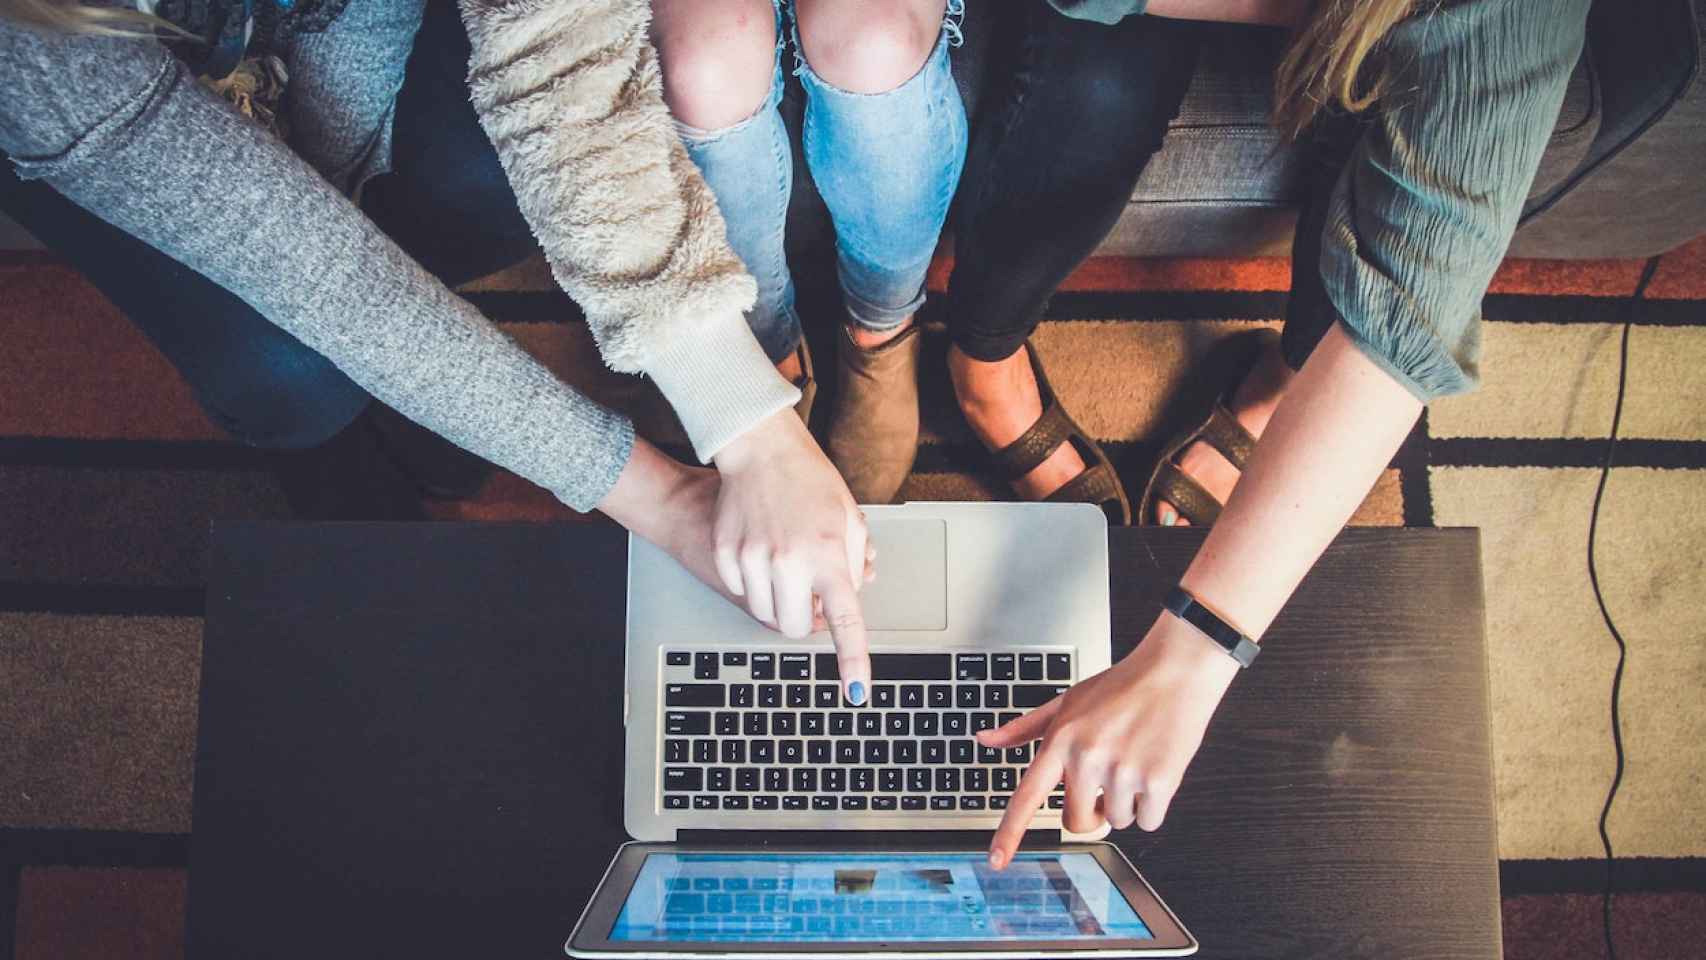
[[788, 537], [1120, 740]]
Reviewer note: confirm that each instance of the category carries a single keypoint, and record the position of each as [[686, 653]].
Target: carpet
[[109, 476]]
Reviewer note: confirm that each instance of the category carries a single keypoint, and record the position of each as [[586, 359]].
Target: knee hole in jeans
[[716, 74]]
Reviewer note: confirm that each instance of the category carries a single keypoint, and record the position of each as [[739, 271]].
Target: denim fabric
[[886, 165]]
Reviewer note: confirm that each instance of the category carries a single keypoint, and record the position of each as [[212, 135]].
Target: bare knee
[[870, 47], [718, 58]]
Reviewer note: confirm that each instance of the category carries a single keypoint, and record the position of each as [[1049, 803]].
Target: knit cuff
[[718, 379]]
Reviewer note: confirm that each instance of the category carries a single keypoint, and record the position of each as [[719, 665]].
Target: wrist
[[758, 443], [645, 493], [1188, 653]]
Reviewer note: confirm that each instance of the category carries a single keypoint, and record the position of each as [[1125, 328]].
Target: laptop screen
[[822, 898]]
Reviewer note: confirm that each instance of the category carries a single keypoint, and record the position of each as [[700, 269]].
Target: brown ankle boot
[[873, 430]]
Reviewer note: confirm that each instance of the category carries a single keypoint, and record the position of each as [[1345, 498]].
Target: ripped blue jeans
[[886, 165]]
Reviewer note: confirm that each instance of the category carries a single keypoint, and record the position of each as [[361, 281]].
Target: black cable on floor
[[1593, 578]]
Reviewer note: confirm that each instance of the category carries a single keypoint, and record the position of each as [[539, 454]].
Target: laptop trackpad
[[910, 592]]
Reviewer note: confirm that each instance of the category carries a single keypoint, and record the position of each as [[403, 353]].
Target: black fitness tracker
[[1181, 604]]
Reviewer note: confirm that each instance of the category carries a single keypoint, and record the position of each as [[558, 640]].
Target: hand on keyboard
[[1120, 740]]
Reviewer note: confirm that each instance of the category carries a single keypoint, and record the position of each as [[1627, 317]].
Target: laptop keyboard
[[767, 731]]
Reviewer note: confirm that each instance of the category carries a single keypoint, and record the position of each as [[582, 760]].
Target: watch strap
[[1181, 604]]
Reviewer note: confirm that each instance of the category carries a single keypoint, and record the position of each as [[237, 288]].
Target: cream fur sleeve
[[570, 94]]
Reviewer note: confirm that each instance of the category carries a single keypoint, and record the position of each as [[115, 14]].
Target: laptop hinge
[[854, 839]]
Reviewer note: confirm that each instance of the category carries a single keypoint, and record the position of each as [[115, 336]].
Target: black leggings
[[1054, 159]]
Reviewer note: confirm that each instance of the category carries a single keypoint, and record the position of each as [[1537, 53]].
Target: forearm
[[1341, 421], [1272, 12]]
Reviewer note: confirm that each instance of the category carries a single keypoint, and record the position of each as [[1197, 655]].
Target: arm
[[1420, 220], [119, 127], [572, 98]]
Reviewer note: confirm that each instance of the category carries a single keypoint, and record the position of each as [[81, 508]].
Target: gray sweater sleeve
[[120, 128], [1425, 209]]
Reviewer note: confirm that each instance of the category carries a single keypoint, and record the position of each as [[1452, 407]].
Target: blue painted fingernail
[[856, 693]]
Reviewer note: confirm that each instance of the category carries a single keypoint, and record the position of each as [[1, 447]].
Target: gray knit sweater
[[571, 95]]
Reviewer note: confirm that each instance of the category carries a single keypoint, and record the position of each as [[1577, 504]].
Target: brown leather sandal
[[1097, 483], [1220, 429]]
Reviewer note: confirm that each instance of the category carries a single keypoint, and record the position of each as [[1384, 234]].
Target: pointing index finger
[[1033, 791], [846, 619]]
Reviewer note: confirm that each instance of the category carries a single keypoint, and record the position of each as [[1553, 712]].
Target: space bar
[[894, 666]]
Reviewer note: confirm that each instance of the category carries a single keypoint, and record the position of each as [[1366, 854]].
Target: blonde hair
[[75, 16], [1331, 61]]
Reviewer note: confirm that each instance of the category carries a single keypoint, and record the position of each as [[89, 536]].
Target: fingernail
[[856, 693], [995, 859], [1168, 518]]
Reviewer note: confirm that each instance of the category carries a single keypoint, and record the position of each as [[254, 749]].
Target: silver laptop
[[772, 818]]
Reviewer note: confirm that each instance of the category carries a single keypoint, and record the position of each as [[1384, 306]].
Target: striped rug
[[109, 476]]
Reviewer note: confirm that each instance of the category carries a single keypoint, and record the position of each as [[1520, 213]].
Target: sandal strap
[[1186, 495], [1095, 484], [1223, 432], [1034, 445]]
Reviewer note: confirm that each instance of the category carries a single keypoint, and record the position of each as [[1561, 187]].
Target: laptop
[[771, 818]]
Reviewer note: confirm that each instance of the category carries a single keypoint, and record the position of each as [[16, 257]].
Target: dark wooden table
[[411, 746]]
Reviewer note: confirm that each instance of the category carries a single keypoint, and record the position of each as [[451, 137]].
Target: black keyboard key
[[941, 696], [823, 803], [793, 803], [740, 695], [763, 751], [799, 695], [834, 780], [734, 659], [728, 723], [811, 724], [911, 666], [1030, 666], [862, 779], [827, 695], [790, 751], [977, 780], [734, 803], [927, 724], [988, 756], [905, 751], [764, 666], [704, 751], [917, 780], [890, 780], [960, 751], [1026, 696], [995, 803], [784, 724], [841, 724], [935, 751], [968, 695], [675, 801], [876, 752], [819, 751], [675, 751], [764, 803], [770, 695], [704, 802], [746, 779], [755, 724], [687, 723], [683, 779], [982, 721], [847, 752], [1057, 802], [775, 779], [678, 658], [734, 751], [882, 803], [947, 780], [1019, 754], [805, 780], [897, 724], [853, 803], [704, 666], [1006, 780], [828, 668], [941, 803], [719, 779], [995, 695], [954, 725], [796, 666], [1006, 717], [971, 666], [971, 803], [1060, 666], [1001, 666], [883, 696], [870, 724], [912, 696]]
